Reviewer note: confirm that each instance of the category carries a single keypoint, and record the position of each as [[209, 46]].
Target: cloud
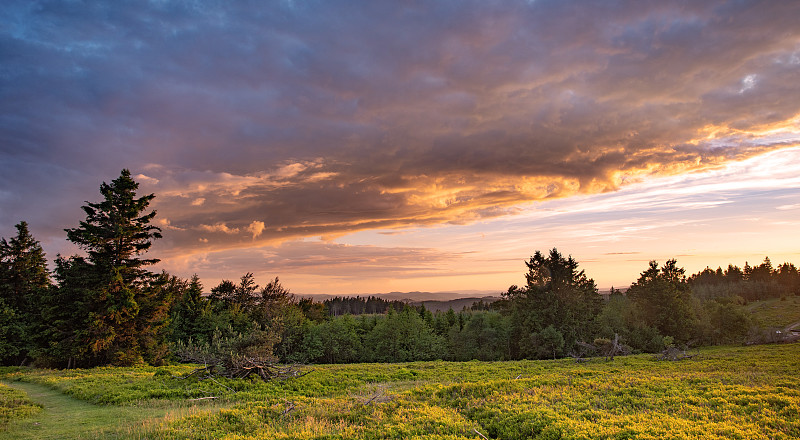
[[710, 218], [256, 228], [219, 227], [333, 118], [352, 264]]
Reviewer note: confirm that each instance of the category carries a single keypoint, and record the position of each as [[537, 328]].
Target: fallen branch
[[289, 408], [674, 354], [231, 364], [377, 394], [221, 384], [236, 357], [202, 398], [482, 436]]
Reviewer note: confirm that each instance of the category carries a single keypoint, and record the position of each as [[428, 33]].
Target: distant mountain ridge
[[412, 297], [418, 297]]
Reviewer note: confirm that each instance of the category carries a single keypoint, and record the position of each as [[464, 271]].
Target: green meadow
[[719, 393]]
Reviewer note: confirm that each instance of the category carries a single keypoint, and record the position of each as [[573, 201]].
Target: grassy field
[[721, 393], [15, 404], [776, 312]]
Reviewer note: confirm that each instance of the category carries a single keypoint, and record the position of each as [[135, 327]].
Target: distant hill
[[412, 297], [433, 301], [456, 304]]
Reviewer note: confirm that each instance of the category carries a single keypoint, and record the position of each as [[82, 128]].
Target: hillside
[[776, 313]]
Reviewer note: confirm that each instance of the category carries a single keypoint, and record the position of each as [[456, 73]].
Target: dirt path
[[789, 327], [64, 417]]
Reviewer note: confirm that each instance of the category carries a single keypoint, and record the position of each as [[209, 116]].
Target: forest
[[107, 308]]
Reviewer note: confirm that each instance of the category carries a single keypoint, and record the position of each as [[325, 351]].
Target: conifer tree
[[117, 230], [557, 294], [24, 279], [23, 267], [664, 298], [67, 312], [191, 318], [124, 300]]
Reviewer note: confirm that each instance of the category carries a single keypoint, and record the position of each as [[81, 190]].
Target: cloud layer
[[261, 122]]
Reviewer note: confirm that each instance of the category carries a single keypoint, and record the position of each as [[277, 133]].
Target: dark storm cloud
[[258, 122]]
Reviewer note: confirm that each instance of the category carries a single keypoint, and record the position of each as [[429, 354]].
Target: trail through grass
[[721, 393], [64, 417]]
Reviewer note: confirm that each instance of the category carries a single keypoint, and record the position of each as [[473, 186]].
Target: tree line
[[358, 305], [107, 308]]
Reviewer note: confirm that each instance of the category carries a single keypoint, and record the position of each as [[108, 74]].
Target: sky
[[366, 147]]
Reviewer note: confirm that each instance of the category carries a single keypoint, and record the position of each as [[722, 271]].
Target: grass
[[721, 393], [776, 312], [64, 417], [15, 404]]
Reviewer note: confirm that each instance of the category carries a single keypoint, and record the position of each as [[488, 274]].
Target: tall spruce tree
[[122, 319], [557, 295], [117, 230], [24, 279]]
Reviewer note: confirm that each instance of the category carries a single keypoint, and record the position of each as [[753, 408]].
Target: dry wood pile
[[239, 357]]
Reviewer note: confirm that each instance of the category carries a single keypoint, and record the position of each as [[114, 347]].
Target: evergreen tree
[[12, 335], [788, 278], [314, 311], [223, 293], [664, 298], [24, 280], [126, 310], [558, 295], [733, 274], [273, 305], [67, 312], [763, 272], [23, 267], [117, 230], [276, 310], [191, 315], [155, 304]]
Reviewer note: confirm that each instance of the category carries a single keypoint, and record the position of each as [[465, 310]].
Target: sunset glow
[[373, 147]]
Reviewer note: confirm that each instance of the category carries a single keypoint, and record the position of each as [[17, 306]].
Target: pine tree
[[191, 315], [116, 231], [127, 305], [23, 267], [558, 295], [67, 311], [24, 279], [664, 298]]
